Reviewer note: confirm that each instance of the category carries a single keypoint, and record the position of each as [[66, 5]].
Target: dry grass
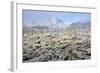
[[57, 46]]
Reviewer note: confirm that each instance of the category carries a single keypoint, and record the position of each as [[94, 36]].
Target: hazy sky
[[32, 16]]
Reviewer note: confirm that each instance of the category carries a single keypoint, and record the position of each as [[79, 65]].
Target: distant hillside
[[37, 28], [81, 25], [55, 24]]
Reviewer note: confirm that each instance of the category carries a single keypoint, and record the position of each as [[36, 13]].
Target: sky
[[33, 16]]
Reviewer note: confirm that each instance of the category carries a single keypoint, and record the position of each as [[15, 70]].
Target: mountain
[[52, 24], [55, 24], [81, 25]]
